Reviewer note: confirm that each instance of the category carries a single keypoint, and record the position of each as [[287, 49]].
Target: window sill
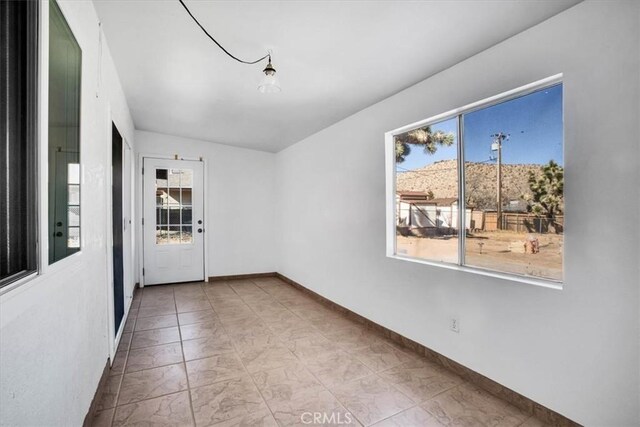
[[18, 283], [545, 283], [47, 271]]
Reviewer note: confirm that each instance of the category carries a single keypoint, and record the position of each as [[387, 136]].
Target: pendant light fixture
[[269, 82]]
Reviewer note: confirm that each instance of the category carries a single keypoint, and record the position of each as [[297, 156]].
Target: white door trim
[[140, 208]]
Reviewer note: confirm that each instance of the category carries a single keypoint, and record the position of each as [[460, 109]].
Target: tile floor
[[262, 353]]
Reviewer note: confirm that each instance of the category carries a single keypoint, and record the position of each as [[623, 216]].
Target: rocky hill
[[441, 178]]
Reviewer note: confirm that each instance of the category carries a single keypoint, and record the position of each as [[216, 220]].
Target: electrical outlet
[[454, 324]]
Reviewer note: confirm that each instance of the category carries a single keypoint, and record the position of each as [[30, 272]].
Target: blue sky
[[533, 121]]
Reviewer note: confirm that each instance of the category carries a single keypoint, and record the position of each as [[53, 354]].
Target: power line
[[268, 55]]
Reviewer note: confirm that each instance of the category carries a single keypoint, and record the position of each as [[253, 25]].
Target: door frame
[[113, 335], [140, 208]]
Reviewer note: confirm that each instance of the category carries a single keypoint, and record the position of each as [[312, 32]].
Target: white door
[[173, 221]]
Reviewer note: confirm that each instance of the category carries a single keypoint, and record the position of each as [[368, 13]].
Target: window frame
[[32, 134], [53, 4], [74, 260], [390, 175]]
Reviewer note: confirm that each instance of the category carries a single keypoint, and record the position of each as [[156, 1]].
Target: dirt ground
[[497, 250]]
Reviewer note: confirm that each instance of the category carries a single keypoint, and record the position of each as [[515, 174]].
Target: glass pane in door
[[173, 206]]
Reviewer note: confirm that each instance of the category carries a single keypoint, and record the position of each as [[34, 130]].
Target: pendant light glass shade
[[269, 82]]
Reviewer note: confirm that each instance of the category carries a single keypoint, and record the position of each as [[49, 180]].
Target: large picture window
[[18, 127], [65, 62], [483, 187]]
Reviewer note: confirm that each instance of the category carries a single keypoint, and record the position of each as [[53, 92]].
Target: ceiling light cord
[[268, 55]]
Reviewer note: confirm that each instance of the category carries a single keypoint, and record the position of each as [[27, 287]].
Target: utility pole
[[498, 139]]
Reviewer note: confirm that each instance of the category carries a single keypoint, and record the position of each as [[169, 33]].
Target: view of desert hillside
[[441, 179]]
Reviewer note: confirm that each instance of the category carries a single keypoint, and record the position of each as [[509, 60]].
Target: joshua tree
[[424, 137], [547, 191]]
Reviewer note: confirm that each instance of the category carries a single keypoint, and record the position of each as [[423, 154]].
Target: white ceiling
[[332, 58]]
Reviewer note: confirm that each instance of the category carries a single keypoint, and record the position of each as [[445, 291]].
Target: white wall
[[575, 350], [54, 329], [240, 196]]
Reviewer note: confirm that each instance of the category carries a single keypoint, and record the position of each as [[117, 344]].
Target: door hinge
[[142, 171], [143, 271], [142, 221]]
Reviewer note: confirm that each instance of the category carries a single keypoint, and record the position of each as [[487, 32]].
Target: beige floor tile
[[240, 320], [291, 382], [156, 290], [192, 317], [414, 417], [421, 380], [206, 347], [353, 337], [135, 303], [331, 324], [245, 340], [117, 367], [468, 405], [219, 290], [202, 330], [270, 313], [156, 322], [379, 356], [310, 314], [534, 422], [244, 287], [265, 304], [163, 301], [281, 327], [155, 337], [254, 297], [151, 383], [153, 357], [337, 368], [318, 409], [295, 332], [103, 418], [184, 306], [371, 399], [213, 369], [306, 359], [156, 311], [311, 346], [225, 400], [261, 418], [223, 302], [109, 396], [125, 341], [171, 411], [129, 325], [188, 290], [234, 313], [263, 358]]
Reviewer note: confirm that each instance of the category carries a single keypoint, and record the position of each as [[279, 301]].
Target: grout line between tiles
[[184, 362], [302, 362], [237, 353], [124, 369]]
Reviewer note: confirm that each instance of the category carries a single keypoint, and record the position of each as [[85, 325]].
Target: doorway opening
[[118, 225]]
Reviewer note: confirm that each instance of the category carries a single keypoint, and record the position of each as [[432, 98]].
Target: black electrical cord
[[268, 55]]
